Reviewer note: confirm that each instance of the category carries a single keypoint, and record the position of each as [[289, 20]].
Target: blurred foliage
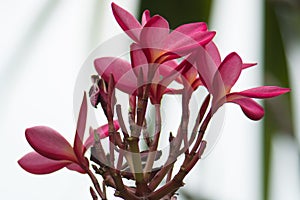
[[178, 12], [276, 73], [188, 196], [278, 118], [288, 12]]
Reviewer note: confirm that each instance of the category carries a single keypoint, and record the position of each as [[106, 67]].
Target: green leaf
[[178, 12], [278, 117]]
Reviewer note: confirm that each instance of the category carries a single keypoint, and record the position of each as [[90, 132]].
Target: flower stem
[[110, 114], [199, 118], [173, 185], [121, 121], [93, 194], [201, 132], [95, 183], [137, 164]]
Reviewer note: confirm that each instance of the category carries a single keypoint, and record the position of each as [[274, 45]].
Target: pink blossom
[[210, 56], [152, 53], [53, 151], [219, 78], [154, 37], [126, 75]]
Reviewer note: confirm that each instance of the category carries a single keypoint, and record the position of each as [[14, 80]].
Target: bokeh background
[[44, 43]]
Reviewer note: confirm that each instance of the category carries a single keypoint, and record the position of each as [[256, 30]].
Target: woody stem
[[96, 184]]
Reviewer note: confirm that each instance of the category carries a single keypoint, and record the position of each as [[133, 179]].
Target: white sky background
[[39, 63]]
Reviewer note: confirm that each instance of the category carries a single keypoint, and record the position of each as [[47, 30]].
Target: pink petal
[[138, 60], [247, 65], [191, 28], [204, 38], [263, 92], [166, 55], [192, 79], [36, 164], [206, 68], [186, 37], [90, 140], [159, 83], [196, 83], [76, 167], [230, 70], [213, 52], [166, 80], [145, 17], [124, 76], [173, 91], [156, 92], [154, 32], [158, 22], [187, 31], [182, 44], [127, 22], [49, 143], [190, 73], [81, 123], [102, 132], [167, 68], [251, 109]]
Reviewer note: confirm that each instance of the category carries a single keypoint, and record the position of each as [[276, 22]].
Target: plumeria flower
[[53, 151], [219, 78], [189, 72], [127, 77], [153, 51], [153, 35], [189, 75]]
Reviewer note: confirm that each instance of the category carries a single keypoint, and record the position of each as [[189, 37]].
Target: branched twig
[[96, 184], [199, 118], [121, 121], [177, 182], [111, 127], [201, 132]]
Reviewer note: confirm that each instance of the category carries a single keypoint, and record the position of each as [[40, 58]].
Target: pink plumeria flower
[[190, 75], [219, 78], [154, 37], [126, 74], [53, 151]]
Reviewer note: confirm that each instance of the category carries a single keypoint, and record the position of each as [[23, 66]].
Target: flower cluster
[[158, 57]]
